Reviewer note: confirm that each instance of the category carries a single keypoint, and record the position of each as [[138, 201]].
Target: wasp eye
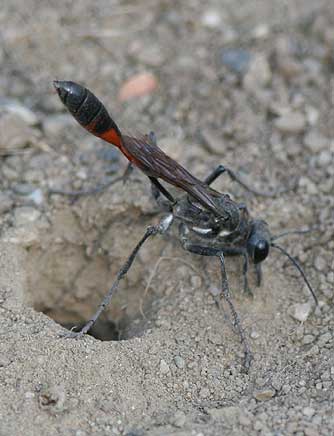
[[261, 250]]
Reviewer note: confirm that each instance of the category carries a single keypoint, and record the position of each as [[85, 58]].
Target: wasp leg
[[209, 251], [98, 189], [221, 169], [162, 190], [258, 272], [247, 289], [161, 228], [236, 320]]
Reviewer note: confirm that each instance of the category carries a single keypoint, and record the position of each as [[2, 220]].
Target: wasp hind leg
[[221, 169]]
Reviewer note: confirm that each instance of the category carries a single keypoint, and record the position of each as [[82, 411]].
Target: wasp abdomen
[[85, 107]]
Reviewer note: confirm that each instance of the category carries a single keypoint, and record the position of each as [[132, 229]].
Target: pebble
[[15, 133], [6, 203], [308, 411], [261, 31], [264, 395], [315, 141], [151, 56], [138, 86], [308, 339], [179, 362], [307, 183], [211, 19], [258, 74], [236, 60], [228, 415], [288, 67], [54, 125], [324, 339], [24, 215], [23, 188], [12, 106], [312, 115], [204, 393], [325, 158], [195, 281], [36, 196], [320, 263], [254, 334], [302, 311], [212, 142], [291, 123], [164, 368], [178, 419]]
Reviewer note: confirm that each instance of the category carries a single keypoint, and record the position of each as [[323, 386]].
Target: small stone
[[204, 393], [325, 158], [311, 188], [179, 362], [12, 106], [254, 334], [178, 419], [313, 351], [149, 55], [324, 339], [292, 123], [25, 215], [164, 368], [23, 189], [258, 74], [211, 19], [55, 125], [288, 67], [312, 115], [195, 281], [302, 311], [320, 263], [212, 142], [236, 60], [37, 197], [315, 142], [6, 203], [261, 31], [228, 415], [308, 339], [137, 86], [244, 419], [264, 395], [215, 338], [15, 133]]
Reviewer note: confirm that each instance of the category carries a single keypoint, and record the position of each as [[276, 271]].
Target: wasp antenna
[[295, 232], [299, 268]]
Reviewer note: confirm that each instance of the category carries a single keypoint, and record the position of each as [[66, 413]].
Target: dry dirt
[[248, 84]]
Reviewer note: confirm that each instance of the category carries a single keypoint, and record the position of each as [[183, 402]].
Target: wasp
[[210, 223]]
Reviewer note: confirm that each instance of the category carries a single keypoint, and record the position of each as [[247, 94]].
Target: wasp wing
[[150, 159]]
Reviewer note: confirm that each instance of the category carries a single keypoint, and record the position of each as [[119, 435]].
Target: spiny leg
[[221, 169], [98, 189], [258, 272], [236, 320], [163, 190], [208, 251], [245, 272], [161, 228]]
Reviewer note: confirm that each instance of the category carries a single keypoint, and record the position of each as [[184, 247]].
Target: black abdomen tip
[[71, 94]]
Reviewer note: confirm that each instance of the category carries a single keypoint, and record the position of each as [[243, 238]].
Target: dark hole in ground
[[102, 330]]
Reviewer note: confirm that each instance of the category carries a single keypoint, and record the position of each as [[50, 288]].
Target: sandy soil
[[247, 85]]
